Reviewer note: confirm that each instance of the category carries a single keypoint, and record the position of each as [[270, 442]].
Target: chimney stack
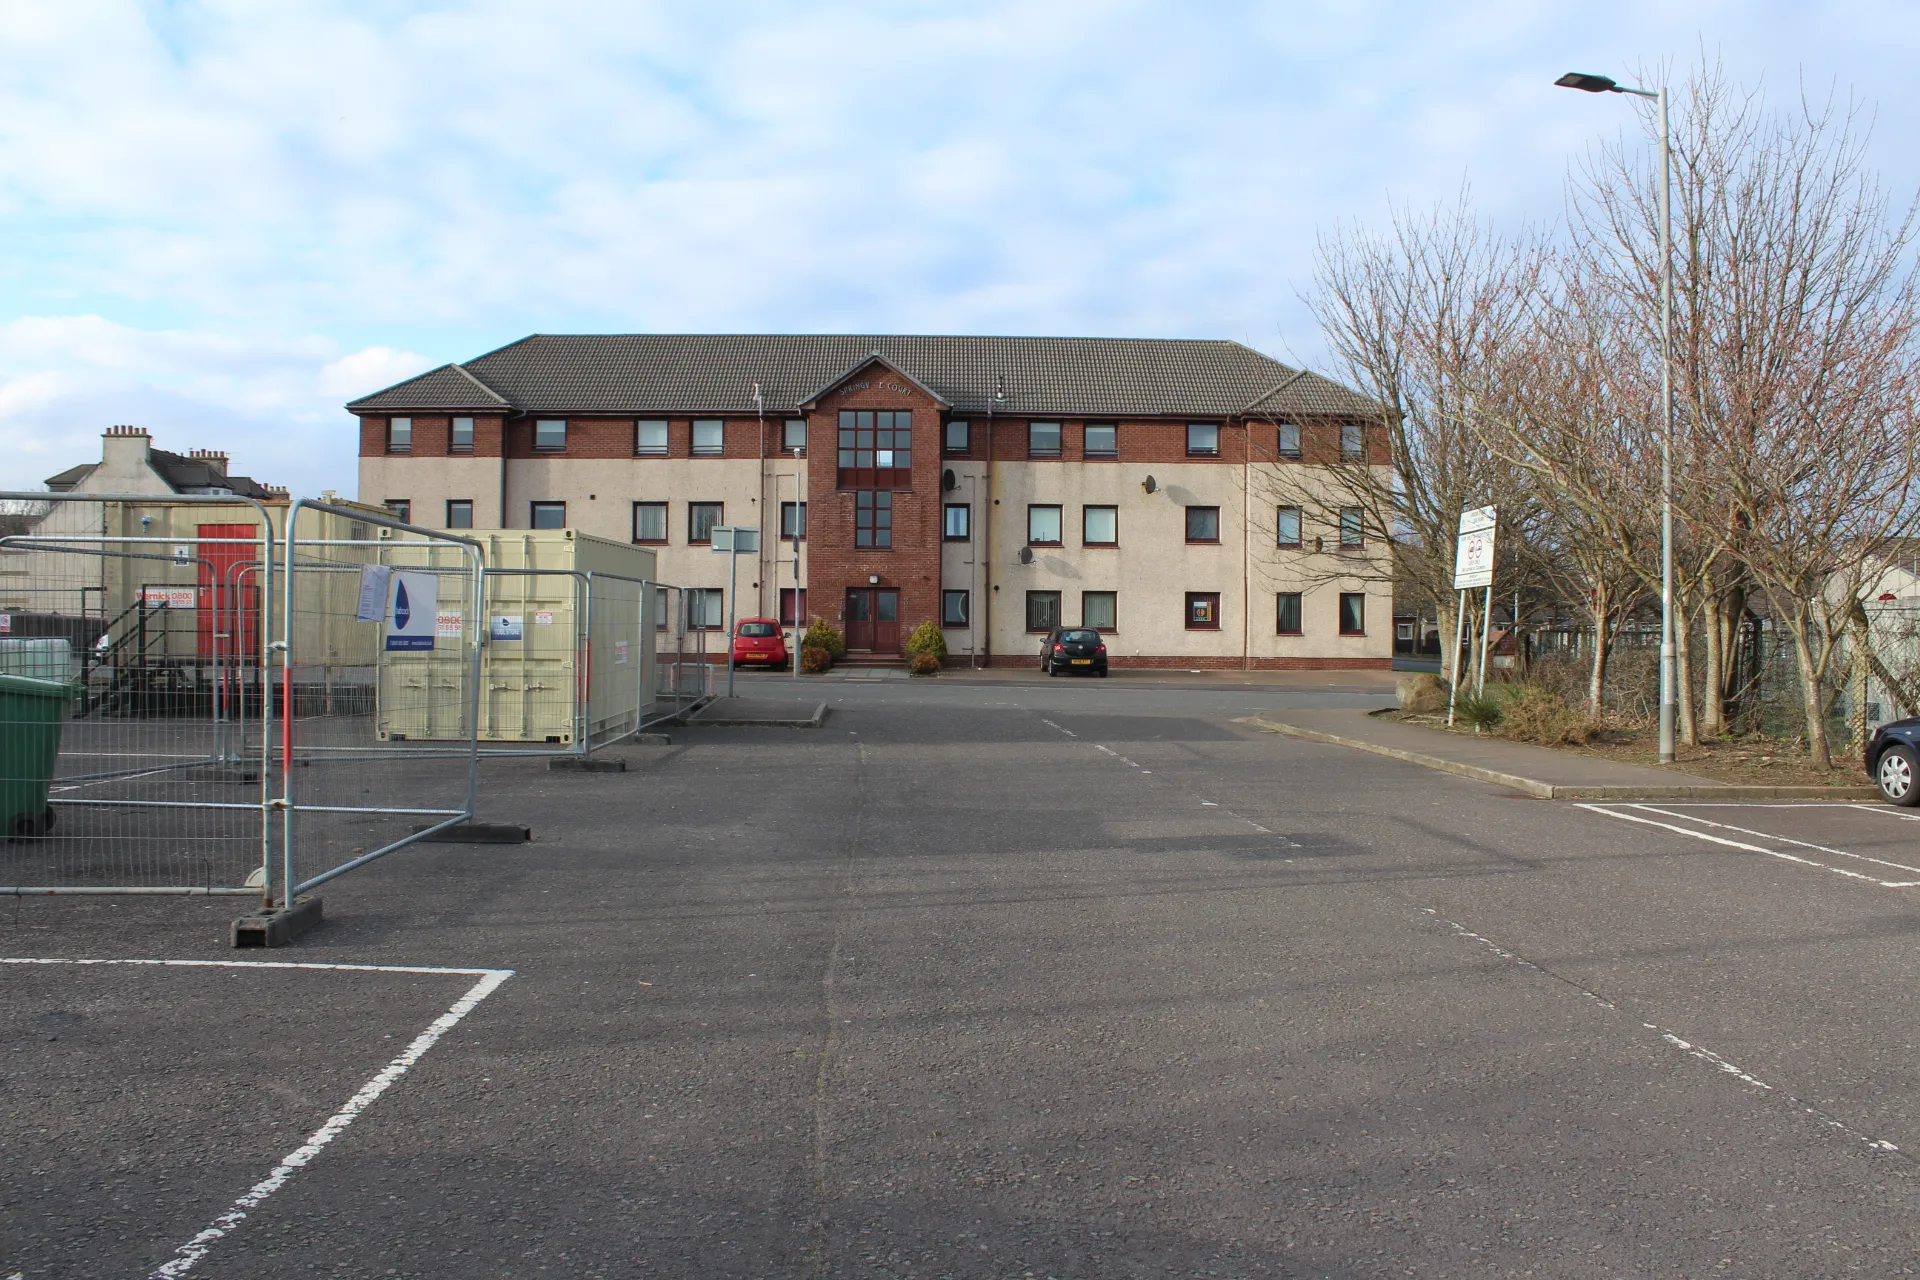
[[124, 454], [216, 459]]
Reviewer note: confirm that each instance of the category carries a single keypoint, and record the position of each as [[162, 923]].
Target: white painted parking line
[[188, 1255], [1781, 854], [1768, 835], [1667, 1037]]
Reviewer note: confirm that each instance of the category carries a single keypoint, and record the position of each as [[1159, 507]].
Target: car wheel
[[1051, 669], [1898, 777], [1102, 673]]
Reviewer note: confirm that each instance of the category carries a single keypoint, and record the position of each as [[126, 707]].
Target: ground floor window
[[1099, 610], [702, 519], [953, 608], [1353, 613], [790, 616], [706, 609], [1288, 621], [649, 522], [873, 518], [547, 515], [793, 521], [400, 509], [959, 526], [1043, 610], [1203, 610], [459, 513], [662, 608]]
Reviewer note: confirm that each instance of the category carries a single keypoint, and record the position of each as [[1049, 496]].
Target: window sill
[[1353, 635], [392, 452], [1100, 457], [1043, 457], [1286, 546], [1290, 633], [1211, 626], [1100, 546], [452, 449], [957, 541], [1046, 544], [1214, 454], [706, 453], [1203, 542], [649, 453], [649, 542]]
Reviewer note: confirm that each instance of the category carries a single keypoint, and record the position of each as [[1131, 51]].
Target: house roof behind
[[642, 373], [183, 475]]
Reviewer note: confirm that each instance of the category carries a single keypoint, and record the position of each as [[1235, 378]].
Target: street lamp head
[[1586, 83]]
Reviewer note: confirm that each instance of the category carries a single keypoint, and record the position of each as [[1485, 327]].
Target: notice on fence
[[507, 626], [413, 611], [619, 653], [170, 597], [543, 618], [1473, 554], [451, 623], [374, 589]]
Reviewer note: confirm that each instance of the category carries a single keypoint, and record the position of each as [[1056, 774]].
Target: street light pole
[[1669, 649]]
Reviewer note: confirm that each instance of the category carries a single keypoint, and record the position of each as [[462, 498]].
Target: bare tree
[[1795, 318], [1407, 316]]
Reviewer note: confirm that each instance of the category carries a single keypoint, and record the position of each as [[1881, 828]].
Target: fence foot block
[[268, 927], [586, 764], [481, 833]]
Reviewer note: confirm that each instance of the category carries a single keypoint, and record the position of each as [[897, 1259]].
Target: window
[[706, 609], [550, 434], [959, 522], [548, 515], [1203, 439], [793, 435], [793, 520], [957, 441], [1100, 526], [709, 437], [460, 440], [1288, 444], [953, 608], [1203, 610], [873, 518], [459, 513], [1286, 526], [876, 448], [1043, 439], [1353, 613], [1353, 442], [662, 608], [1203, 524], [649, 522], [1351, 528], [1043, 526], [1287, 614], [788, 616], [1098, 609], [650, 438], [399, 435], [1102, 440], [1043, 610], [701, 517], [401, 509]]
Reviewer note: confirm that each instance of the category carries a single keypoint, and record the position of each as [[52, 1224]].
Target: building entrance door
[[873, 619]]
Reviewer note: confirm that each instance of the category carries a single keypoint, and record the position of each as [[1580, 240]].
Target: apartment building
[[1177, 495]]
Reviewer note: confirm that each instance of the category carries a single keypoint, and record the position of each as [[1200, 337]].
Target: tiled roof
[[643, 373], [183, 475]]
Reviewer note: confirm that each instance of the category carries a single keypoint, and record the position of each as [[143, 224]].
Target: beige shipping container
[[568, 653]]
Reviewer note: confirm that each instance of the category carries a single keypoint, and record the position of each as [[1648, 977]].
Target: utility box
[[567, 656]]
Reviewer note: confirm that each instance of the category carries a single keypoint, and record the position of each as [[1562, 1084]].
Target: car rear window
[[1081, 637], [756, 628]]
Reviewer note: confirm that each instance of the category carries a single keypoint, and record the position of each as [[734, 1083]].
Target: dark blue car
[[1893, 760]]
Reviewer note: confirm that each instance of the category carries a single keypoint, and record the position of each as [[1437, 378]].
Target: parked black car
[[1073, 649], [1893, 760]]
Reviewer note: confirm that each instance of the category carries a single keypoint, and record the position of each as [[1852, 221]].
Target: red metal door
[[860, 619], [886, 621], [229, 610]]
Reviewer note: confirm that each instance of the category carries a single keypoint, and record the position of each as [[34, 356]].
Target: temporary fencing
[[132, 702]]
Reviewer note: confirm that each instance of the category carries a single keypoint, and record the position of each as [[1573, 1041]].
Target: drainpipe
[[503, 469], [1246, 547]]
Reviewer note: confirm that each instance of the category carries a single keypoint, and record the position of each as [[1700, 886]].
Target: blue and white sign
[[507, 626], [413, 608]]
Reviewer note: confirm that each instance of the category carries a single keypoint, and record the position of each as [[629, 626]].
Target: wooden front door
[[873, 619]]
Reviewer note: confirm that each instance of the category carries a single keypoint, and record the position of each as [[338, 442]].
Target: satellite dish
[[948, 481], [1151, 485], [1026, 555]]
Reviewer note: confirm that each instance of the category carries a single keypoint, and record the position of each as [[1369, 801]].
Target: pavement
[[768, 713], [1075, 979], [1537, 771]]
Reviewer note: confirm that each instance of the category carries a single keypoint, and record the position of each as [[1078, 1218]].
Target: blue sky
[[221, 220]]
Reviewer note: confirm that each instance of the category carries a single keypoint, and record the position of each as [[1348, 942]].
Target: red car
[[759, 642]]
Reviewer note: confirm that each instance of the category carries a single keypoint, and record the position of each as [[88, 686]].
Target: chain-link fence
[[131, 696]]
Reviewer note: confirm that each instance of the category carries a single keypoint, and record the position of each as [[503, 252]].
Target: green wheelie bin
[[32, 713]]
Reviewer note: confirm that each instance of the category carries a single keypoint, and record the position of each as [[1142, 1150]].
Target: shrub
[[1422, 693], [927, 638], [1538, 714], [815, 659], [822, 636], [924, 664], [1479, 709]]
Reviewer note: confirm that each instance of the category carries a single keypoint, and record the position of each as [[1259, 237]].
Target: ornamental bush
[[820, 635], [927, 638], [814, 659], [923, 664]]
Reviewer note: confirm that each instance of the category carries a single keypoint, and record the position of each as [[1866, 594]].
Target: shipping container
[[567, 658]]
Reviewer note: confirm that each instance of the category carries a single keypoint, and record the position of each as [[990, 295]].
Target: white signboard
[[375, 587], [413, 611], [171, 597], [507, 626], [451, 623], [1473, 554], [738, 539]]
